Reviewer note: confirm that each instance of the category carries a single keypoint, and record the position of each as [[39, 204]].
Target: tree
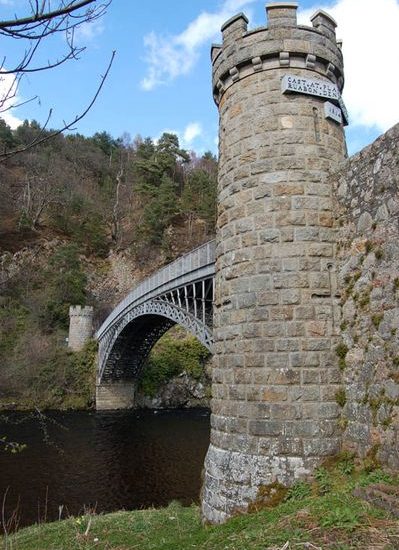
[[199, 193], [45, 19], [66, 285], [6, 138]]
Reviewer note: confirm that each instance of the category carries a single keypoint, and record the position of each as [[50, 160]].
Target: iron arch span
[[180, 293]]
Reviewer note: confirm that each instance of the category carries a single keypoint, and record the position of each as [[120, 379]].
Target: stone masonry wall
[[367, 207], [275, 374]]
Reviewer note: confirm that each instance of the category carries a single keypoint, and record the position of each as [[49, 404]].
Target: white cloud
[[86, 32], [187, 136], [192, 131], [370, 46], [8, 98], [171, 56]]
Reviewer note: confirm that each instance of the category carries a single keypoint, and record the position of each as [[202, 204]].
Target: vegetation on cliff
[[81, 221], [322, 514], [175, 353]]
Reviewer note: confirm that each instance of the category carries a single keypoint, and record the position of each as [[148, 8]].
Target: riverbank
[[322, 514], [176, 376]]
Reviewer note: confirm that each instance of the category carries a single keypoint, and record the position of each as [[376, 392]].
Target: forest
[[83, 219]]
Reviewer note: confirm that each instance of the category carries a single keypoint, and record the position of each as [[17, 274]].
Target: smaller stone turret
[[80, 326]]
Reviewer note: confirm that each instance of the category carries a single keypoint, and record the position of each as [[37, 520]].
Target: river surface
[[104, 461]]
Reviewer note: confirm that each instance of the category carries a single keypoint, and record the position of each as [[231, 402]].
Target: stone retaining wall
[[367, 207]]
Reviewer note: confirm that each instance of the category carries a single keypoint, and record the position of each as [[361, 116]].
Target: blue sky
[[161, 76]]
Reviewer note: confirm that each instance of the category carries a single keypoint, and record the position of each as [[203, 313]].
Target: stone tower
[[80, 326], [274, 414]]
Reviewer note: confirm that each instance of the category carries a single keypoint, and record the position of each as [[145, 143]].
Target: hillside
[[81, 221]]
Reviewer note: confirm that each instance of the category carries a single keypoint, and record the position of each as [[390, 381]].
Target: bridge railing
[[193, 265]]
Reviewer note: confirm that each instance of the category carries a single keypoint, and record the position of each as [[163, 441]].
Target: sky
[[161, 76]]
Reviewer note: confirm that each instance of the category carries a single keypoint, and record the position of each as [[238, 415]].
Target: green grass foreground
[[322, 514]]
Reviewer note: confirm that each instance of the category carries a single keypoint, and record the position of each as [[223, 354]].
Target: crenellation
[[324, 23], [289, 51], [234, 28], [215, 51], [80, 311], [281, 14]]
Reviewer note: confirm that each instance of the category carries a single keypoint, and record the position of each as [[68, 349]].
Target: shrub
[[169, 358]]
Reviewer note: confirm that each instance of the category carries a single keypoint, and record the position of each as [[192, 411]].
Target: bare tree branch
[[39, 16], [67, 126], [41, 25], [47, 18]]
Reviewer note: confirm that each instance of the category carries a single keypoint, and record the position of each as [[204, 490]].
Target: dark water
[[108, 461]]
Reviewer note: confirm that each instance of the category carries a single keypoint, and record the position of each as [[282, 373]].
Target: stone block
[[316, 344], [284, 412], [287, 234], [268, 298], [288, 344], [295, 328], [265, 427], [283, 313], [301, 429], [291, 446], [304, 359], [277, 360], [269, 236], [274, 394], [321, 447], [305, 393]]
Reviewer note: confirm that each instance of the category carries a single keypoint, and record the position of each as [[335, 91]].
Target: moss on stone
[[341, 350], [269, 496], [340, 397], [371, 462], [364, 299], [376, 319], [369, 247], [344, 325]]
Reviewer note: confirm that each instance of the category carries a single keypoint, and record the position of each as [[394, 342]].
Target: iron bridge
[[180, 293]]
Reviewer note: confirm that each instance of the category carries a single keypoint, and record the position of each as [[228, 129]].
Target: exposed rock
[[182, 391]]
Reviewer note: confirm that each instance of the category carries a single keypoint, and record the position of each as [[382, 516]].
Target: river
[[101, 461]]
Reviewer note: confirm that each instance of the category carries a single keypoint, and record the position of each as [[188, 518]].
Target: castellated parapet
[[80, 326], [275, 374]]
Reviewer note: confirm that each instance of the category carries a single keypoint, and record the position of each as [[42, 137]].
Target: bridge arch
[[180, 293]]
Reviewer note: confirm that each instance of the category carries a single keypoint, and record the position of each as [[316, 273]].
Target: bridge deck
[[195, 265]]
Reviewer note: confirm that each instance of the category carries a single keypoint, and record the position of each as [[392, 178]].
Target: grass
[[322, 513]]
